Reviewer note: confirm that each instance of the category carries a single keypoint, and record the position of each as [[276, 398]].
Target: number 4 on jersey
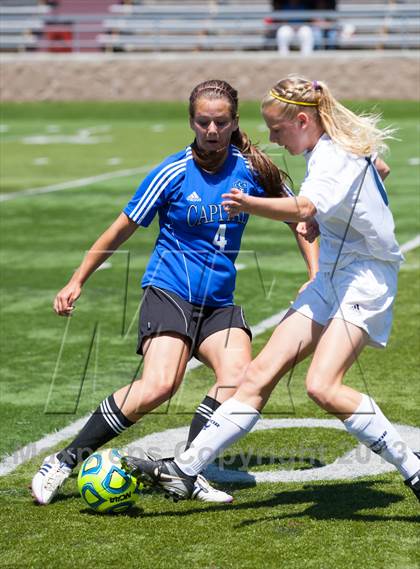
[[220, 239]]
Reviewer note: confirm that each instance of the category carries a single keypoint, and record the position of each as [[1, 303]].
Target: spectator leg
[[306, 39], [284, 37]]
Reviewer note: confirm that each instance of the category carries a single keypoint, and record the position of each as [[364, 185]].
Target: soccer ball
[[104, 485]]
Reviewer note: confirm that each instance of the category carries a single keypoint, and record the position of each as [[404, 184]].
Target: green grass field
[[48, 383]]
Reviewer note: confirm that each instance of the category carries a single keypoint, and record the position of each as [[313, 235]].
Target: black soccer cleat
[[203, 490], [414, 484], [164, 474], [414, 481]]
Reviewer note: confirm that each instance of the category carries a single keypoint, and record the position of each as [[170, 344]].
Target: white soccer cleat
[[48, 480], [204, 492]]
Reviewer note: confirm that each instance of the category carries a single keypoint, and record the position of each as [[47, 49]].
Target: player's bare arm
[[282, 209], [382, 167], [309, 250]]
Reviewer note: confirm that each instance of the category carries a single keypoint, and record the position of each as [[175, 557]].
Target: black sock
[[102, 426], [202, 414]]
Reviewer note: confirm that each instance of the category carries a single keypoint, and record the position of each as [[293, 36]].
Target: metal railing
[[157, 27]]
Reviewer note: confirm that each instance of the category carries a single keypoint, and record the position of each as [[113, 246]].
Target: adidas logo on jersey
[[194, 197]]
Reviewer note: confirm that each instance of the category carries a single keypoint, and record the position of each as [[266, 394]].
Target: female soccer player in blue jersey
[[188, 285], [345, 308]]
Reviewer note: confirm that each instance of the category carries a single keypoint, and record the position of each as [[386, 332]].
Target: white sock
[[229, 422], [373, 429]]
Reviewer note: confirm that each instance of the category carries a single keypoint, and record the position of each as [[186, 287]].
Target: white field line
[[410, 245], [360, 461], [11, 462], [80, 183], [105, 265]]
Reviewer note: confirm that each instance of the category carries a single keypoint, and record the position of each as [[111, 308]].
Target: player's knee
[[167, 389], [162, 386], [318, 390]]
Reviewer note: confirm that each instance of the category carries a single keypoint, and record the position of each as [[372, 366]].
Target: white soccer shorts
[[361, 293]]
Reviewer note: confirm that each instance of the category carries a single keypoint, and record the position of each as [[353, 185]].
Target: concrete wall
[[118, 77]]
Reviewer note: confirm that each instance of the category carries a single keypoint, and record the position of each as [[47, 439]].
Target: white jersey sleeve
[[328, 181]]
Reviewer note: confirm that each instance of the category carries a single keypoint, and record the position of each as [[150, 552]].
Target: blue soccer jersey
[[195, 251]]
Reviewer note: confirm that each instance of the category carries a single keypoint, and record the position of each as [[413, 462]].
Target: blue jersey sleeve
[[155, 189]]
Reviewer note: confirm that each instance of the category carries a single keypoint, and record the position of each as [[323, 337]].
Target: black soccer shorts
[[164, 311]]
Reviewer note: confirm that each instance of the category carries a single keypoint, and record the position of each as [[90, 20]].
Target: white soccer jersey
[[352, 207]]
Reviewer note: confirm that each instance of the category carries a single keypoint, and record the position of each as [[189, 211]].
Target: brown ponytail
[[271, 178]]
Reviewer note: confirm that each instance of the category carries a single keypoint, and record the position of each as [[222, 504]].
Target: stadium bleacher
[[21, 23], [232, 25]]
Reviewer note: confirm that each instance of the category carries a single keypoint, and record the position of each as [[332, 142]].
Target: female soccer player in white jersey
[[349, 304], [187, 308]]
